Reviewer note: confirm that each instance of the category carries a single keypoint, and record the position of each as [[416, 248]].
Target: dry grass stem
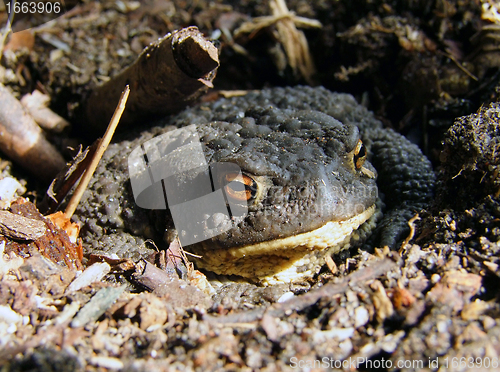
[[293, 41], [103, 145]]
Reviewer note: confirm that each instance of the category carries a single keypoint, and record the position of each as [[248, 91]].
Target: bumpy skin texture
[[283, 135], [404, 174], [405, 179], [302, 161]]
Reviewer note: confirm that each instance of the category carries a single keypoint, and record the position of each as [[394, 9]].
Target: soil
[[429, 69]]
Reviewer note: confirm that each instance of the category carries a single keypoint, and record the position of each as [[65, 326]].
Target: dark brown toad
[[302, 178]]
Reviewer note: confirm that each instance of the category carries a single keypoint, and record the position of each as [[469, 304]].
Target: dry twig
[[103, 145]]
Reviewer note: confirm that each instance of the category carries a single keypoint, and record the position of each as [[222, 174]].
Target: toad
[[305, 173]]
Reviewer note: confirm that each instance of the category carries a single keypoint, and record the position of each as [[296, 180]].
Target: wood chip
[[9, 316], [64, 223], [18, 227], [401, 297], [107, 362], [473, 310], [118, 265], [491, 266], [181, 294], [91, 274], [67, 313], [21, 39]]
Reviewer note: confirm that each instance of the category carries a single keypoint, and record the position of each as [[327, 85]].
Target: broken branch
[[168, 75]]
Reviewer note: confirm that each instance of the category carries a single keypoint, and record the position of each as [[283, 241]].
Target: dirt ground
[[428, 69]]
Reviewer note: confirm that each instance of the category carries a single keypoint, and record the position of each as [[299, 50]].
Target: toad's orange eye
[[240, 187], [359, 155]]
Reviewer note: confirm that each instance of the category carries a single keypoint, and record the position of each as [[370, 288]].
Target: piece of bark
[[54, 244], [18, 227], [21, 40], [23, 141], [168, 75], [36, 104]]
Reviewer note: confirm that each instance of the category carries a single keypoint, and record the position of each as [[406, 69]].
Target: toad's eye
[[359, 155], [240, 187]]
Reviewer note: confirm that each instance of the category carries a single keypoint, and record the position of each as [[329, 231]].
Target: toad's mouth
[[286, 259]]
